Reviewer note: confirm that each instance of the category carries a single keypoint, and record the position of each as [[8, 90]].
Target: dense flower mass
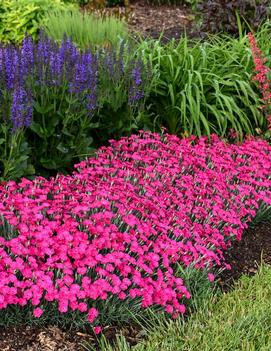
[[119, 224], [45, 64]]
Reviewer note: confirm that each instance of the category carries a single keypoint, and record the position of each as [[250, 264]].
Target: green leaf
[[30, 170], [48, 163], [42, 109], [51, 123], [94, 125], [37, 128], [62, 148]]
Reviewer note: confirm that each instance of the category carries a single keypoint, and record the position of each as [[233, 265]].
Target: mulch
[[47, 339], [152, 21], [246, 256], [52, 338]]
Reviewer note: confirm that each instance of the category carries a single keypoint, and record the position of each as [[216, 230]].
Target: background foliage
[[221, 15], [18, 17], [204, 87], [85, 29]]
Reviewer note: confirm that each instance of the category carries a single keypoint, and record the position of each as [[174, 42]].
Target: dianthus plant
[[120, 224]]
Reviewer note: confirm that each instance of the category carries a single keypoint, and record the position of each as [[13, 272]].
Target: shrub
[[117, 229], [221, 15], [85, 30], [68, 100], [18, 17], [204, 87]]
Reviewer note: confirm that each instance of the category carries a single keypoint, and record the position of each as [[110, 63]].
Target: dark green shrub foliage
[[221, 15], [113, 3]]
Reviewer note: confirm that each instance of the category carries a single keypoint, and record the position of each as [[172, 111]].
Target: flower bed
[[120, 224]]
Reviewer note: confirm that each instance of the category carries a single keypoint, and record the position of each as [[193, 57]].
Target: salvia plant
[[64, 97], [119, 227]]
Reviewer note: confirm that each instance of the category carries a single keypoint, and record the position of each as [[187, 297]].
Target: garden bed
[[171, 185], [46, 339]]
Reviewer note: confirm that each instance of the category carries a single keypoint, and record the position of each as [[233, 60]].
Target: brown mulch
[[244, 257], [52, 338], [153, 20], [47, 339], [150, 21]]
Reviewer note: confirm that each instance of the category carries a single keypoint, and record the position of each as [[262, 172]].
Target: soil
[[152, 21], [52, 338], [49, 339], [244, 257], [167, 21]]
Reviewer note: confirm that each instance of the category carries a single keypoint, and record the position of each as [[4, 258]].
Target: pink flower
[[169, 309], [182, 309], [211, 277], [82, 307], [92, 314], [126, 222], [37, 312], [97, 330]]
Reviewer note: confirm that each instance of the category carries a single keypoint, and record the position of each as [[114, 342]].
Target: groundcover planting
[[119, 226]]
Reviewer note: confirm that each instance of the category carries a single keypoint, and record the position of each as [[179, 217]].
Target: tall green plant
[[85, 29], [204, 87], [61, 130], [14, 154]]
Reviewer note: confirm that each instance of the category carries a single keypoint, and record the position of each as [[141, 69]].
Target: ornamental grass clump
[[85, 29], [119, 227], [204, 87]]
